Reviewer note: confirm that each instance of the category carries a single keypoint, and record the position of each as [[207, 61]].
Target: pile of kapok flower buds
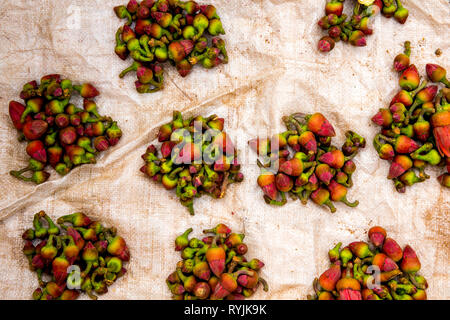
[[358, 27], [377, 271], [168, 30], [79, 255], [196, 157], [303, 162], [416, 127], [215, 267], [57, 132]]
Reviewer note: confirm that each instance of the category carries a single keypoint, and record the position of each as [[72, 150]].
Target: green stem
[[287, 123], [39, 276], [18, 174], [411, 110], [422, 85], [376, 142], [175, 172], [446, 82], [315, 286], [133, 67], [297, 125], [294, 195], [299, 116], [223, 188]]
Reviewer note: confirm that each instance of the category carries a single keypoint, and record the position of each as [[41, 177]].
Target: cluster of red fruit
[[416, 126], [358, 27], [377, 271], [88, 257], [303, 163], [57, 132], [214, 268], [158, 31]]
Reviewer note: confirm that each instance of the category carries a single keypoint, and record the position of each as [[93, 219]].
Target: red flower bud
[[283, 182], [334, 7], [101, 143], [334, 159], [339, 193], [324, 173], [383, 118], [437, 73], [322, 197], [68, 135], [215, 256], [266, 181], [16, 110], [385, 263], [360, 249]]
